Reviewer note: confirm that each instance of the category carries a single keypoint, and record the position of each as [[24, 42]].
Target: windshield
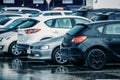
[[75, 29], [15, 23], [4, 21], [22, 23]]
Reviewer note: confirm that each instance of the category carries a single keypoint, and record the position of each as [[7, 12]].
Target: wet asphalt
[[20, 68]]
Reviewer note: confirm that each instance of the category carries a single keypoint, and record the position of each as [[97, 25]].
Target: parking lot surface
[[20, 68]]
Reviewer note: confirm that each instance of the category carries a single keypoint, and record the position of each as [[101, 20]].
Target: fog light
[[1, 47], [36, 55], [44, 47]]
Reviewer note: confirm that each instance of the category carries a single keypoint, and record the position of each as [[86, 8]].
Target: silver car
[[48, 49]]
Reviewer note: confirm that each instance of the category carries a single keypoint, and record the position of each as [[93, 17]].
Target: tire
[[96, 59], [56, 57], [13, 50]]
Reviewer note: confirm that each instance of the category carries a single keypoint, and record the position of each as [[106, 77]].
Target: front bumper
[[38, 54]]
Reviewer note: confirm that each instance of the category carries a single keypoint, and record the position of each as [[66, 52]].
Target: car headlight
[[44, 47]]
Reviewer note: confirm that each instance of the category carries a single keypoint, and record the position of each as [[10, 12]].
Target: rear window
[[22, 23], [76, 29], [68, 13], [99, 17], [52, 14], [3, 21], [28, 24], [30, 11]]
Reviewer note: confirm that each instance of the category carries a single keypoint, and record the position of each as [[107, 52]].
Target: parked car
[[106, 16], [53, 13], [8, 44], [48, 27], [8, 39], [12, 14], [24, 10], [89, 12], [93, 44], [48, 49]]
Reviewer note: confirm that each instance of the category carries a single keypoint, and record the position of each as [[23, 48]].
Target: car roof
[[44, 18], [101, 22], [64, 16]]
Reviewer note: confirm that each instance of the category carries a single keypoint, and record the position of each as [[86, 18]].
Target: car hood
[[48, 41]]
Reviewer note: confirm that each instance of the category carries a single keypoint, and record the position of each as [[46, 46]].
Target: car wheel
[[56, 57], [96, 59], [13, 50]]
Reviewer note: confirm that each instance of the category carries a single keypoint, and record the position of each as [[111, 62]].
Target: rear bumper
[[73, 54]]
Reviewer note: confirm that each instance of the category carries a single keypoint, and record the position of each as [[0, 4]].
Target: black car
[[93, 44], [106, 16], [91, 12]]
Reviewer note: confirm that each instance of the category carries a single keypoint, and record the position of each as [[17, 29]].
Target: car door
[[112, 37], [60, 26]]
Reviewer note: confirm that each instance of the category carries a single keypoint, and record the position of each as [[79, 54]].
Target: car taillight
[[30, 31], [79, 39]]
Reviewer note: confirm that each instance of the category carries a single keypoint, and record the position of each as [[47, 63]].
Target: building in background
[[43, 4]]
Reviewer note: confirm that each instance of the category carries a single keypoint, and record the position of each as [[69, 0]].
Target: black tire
[[13, 50], [96, 59], [56, 57]]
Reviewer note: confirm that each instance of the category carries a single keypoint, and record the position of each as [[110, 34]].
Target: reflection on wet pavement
[[24, 69]]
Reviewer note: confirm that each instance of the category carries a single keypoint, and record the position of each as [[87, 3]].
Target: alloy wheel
[[96, 59]]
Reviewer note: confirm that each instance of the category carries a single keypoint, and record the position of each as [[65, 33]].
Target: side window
[[100, 29], [27, 24], [113, 29], [80, 21], [117, 17], [63, 23], [52, 14], [50, 23]]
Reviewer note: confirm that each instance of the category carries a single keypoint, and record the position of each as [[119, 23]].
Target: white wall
[[89, 2], [106, 3]]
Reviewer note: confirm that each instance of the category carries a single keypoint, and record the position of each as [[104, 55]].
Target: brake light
[[79, 39], [30, 31]]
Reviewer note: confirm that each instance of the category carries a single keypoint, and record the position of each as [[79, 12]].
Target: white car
[[24, 10], [8, 43], [53, 13], [8, 37], [48, 27]]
